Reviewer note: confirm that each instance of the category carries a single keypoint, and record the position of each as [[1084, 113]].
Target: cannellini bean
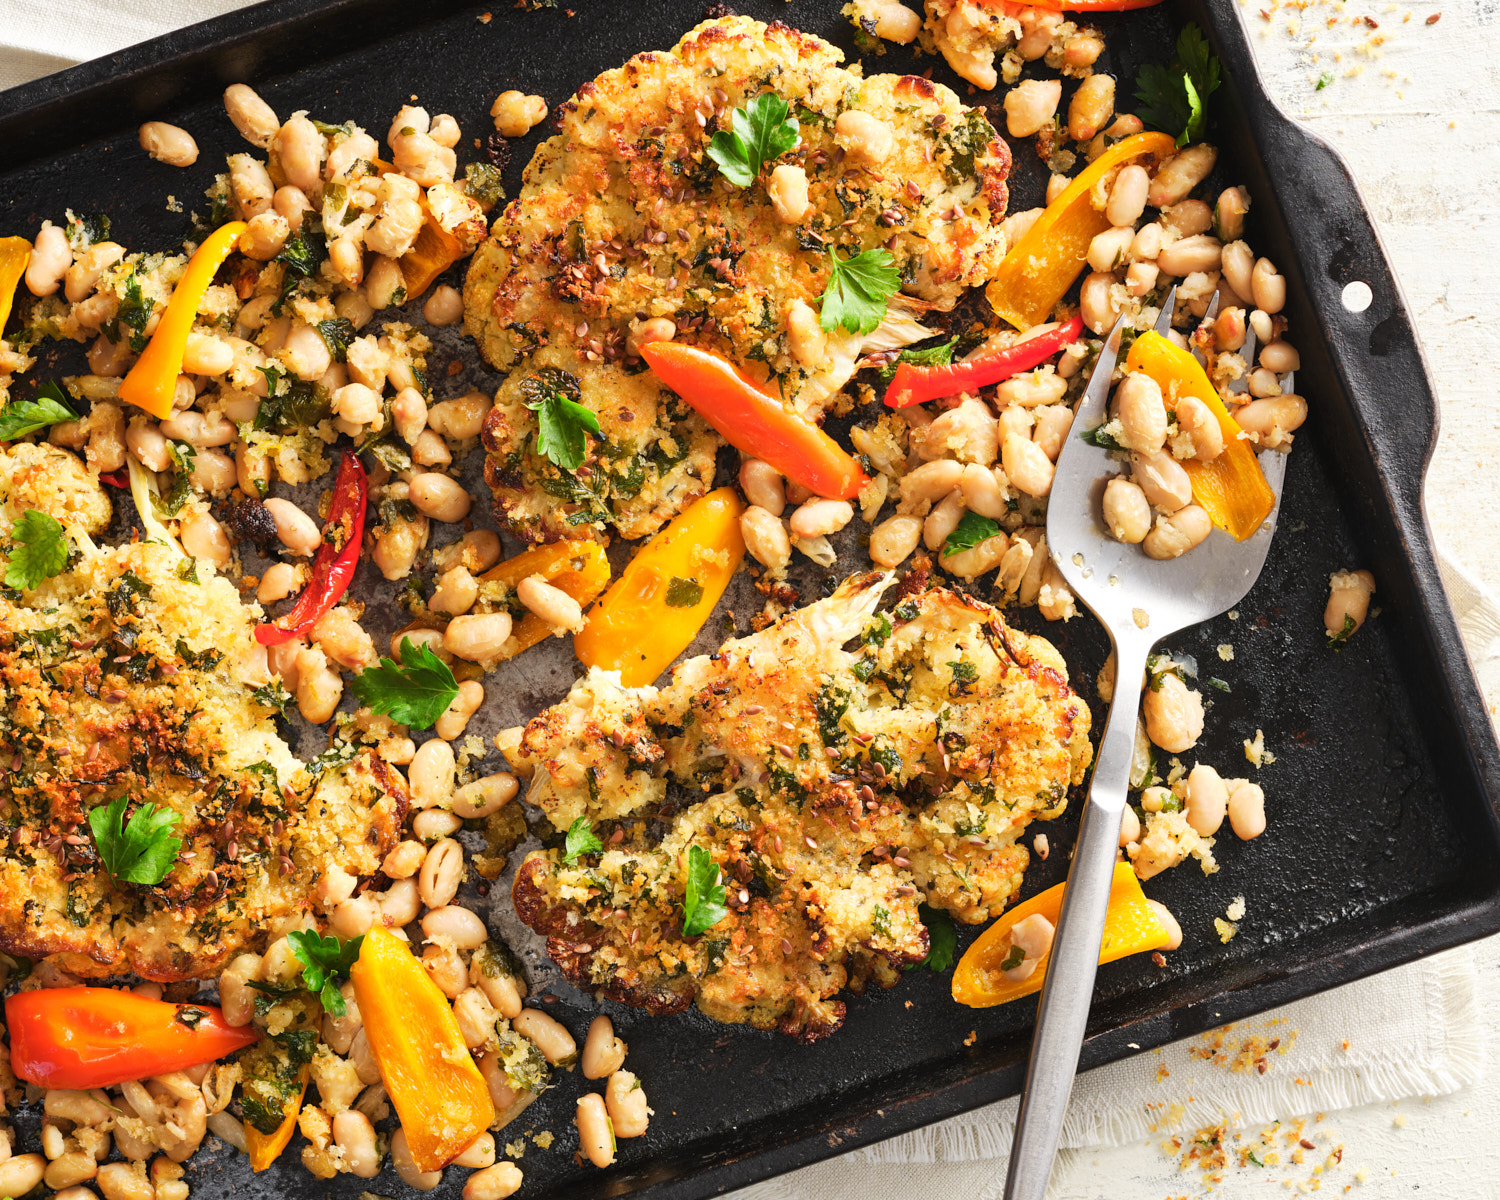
[[1031, 388], [144, 440], [455, 719], [478, 551], [433, 823], [1142, 413], [1127, 196], [1176, 533], [404, 859], [383, 283], [1097, 302], [291, 205], [1140, 278], [51, 256], [1263, 384], [319, 686], [1038, 28], [1082, 49], [409, 414], [805, 336], [893, 21], [1030, 105], [265, 235], [406, 1166], [82, 278], [250, 185], [1130, 825], [1201, 252], [440, 497], [1168, 922], [819, 518], [478, 1153], [594, 1130], [1033, 937], [212, 472], [515, 113], [206, 354], [1163, 480], [399, 903], [1127, 513], [551, 604], [625, 1099], [198, 428], [1229, 214], [1267, 287], [1247, 811], [485, 796], [1280, 357], [976, 560], [763, 486], [1016, 225], [787, 189], [1197, 421], [1107, 251], [1091, 107], [295, 529], [931, 481], [867, 138], [445, 306], [1173, 715], [1229, 329], [943, 519], [464, 928], [1027, 466], [355, 1136], [203, 537], [603, 1052], [1052, 424], [431, 773], [982, 492], [968, 432], [551, 1038], [476, 1017], [1238, 262], [1188, 218], [252, 116], [23, 1172], [1180, 174], [1207, 800], [461, 418], [653, 329], [493, 1183], [893, 540], [1056, 186], [766, 538], [1272, 422], [168, 144], [503, 990], [1349, 595], [455, 593]]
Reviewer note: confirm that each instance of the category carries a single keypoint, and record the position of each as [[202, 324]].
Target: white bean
[[455, 593], [594, 1130], [1271, 422], [1168, 922], [1267, 287], [50, 258], [1207, 800], [1160, 476], [893, 540], [1173, 714], [1201, 252], [1130, 824], [763, 486], [819, 518], [1198, 422], [982, 493], [1108, 249], [551, 604], [1092, 106], [485, 796], [1097, 302], [931, 481], [1127, 195], [203, 537], [476, 638], [766, 538], [1180, 174], [625, 1098], [944, 519], [493, 1183], [1142, 413], [1026, 466], [295, 529], [1349, 595], [1127, 513], [515, 113], [1176, 533], [355, 1136], [252, 116], [462, 927], [787, 191], [551, 1038], [168, 143], [444, 307], [603, 1052], [867, 138], [1030, 105], [461, 418], [431, 773], [1247, 811], [440, 497], [442, 871], [1280, 357], [455, 719], [406, 1166]]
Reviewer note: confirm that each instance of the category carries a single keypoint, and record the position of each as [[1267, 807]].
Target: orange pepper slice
[[266, 1148], [152, 382], [434, 251], [1231, 488], [1129, 928], [15, 253], [752, 418], [1041, 267], [578, 568], [652, 612], [439, 1094]]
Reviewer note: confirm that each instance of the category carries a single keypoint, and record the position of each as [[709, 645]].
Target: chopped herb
[[141, 850], [135, 313], [877, 631], [858, 290], [300, 255], [189, 1016], [972, 530], [1335, 641], [20, 418], [416, 692], [1014, 957], [39, 550], [580, 841], [274, 695], [965, 675], [942, 941], [928, 356], [325, 960], [337, 334], [864, 668], [1323, 81], [1174, 98], [703, 906], [758, 133], [1171, 804], [1215, 682], [880, 920], [84, 231], [1098, 437], [484, 184], [187, 570], [684, 593], [1250, 1154]]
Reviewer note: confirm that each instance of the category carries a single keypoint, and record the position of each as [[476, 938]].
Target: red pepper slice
[[119, 479], [754, 421], [915, 384], [88, 1037], [334, 564]]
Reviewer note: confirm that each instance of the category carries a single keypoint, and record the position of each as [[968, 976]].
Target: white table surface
[[1413, 109]]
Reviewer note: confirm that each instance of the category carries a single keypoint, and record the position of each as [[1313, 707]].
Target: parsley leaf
[[1336, 641], [703, 907], [22, 417], [325, 960], [758, 133], [928, 356], [1174, 98], [1100, 437], [580, 841], [141, 850], [1324, 80], [40, 550], [336, 335], [684, 593], [563, 426], [858, 290], [1014, 957], [942, 941], [415, 693], [972, 530]]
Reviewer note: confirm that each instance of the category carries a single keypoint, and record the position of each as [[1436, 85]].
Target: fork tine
[[1164, 320], [1209, 314], [1247, 352]]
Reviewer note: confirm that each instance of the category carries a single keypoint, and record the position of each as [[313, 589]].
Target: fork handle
[[1074, 960]]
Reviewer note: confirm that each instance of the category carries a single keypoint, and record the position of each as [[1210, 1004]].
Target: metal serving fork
[[1139, 601]]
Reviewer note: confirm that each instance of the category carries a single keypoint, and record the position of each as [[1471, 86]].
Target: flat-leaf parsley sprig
[[703, 906], [39, 550], [1174, 98], [859, 290], [415, 693], [140, 850], [759, 133], [325, 961]]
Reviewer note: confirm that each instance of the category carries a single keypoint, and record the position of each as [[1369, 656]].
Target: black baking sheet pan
[[1382, 844]]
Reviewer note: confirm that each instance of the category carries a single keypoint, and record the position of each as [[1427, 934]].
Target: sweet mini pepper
[[753, 419], [88, 1037], [914, 384], [1129, 928], [439, 1094], [578, 568], [266, 1148], [652, 612], [152, 382], [1231, 488], [1041, 267], [15, 253]]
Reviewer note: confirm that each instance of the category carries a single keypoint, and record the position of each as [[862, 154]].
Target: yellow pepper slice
[[434, 251], [1041, 267], [15, 253], [152, 382], [265, 1148], [439, 1094], [1231, 488], [652, 612], [1129, 928], [578, 568]]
